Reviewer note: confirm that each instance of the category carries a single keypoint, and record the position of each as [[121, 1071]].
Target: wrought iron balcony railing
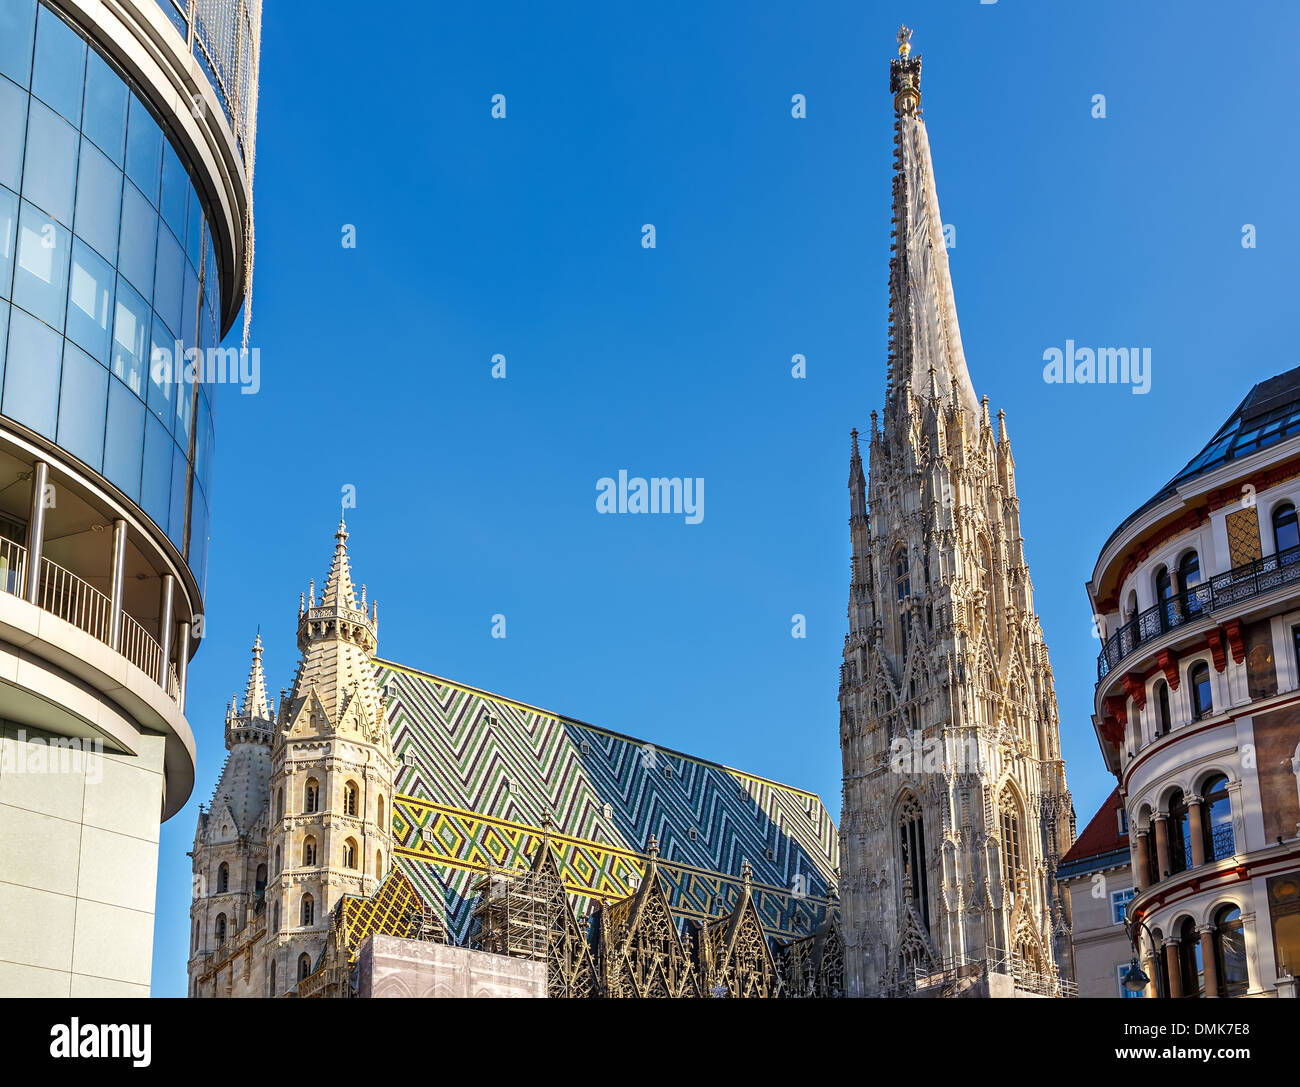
[[1197, 601], [75, 601]]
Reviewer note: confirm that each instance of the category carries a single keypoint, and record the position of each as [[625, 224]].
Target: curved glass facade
[[105, 258]]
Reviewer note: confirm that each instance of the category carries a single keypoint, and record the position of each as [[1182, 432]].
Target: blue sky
[[522, 237]]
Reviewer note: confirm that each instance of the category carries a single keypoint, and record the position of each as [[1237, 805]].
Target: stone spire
[[922, 312], [255, 701], [337, 640], [949, 728]]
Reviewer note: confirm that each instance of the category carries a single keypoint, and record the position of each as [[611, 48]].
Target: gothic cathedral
[[956, 810]]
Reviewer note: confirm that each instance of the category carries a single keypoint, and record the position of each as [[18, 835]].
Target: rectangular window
[[82, 405], [125, 439], [50, 172], [8, 237], [139, 240], [31, 382], [41, 275], [130, 337], [60, 68], [1119, 901], [17, 25], [144, 151], [1295, 631], [103, 116], [90, 301], [99, 201], [13, 129]]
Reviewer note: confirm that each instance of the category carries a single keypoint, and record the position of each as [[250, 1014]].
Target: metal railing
[[75, 601], [1197, 601], [950, 972], [1222, 843]]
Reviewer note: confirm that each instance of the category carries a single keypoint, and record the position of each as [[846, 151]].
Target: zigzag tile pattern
[[478, 773]]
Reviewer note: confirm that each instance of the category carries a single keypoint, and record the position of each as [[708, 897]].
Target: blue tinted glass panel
[[163, 374], [99, 201], [156, 489], [143, 150], [50, 173], [203, 446], [41, 272], [130, 337], [4, 338], [184, 408], [193, 247], [60, 67], [124, 440], [31, 389], [190, 308], [139, 241], [90, 301], [13, 127], [17, 27], [104, 112], [176, 525], [198, 556], [82, 406], [169, 279], [8, 236], [175, 191]]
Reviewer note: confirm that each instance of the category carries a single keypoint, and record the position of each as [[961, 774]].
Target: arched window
[[1013, 858], [903, 590], [350, 853], [277, 858], [279, 804], [311, 796], [380, 813], [259, 886], [911, 854], [1180, 833], [308, 914], [1189, 956], [1230, 951], [308, 851], [1163, 718], [220, 929], [275, 921], [1165, 597], [304, 966], [1217, 819], [271, 979], [1189, 575], [379, 864], [350, 795], [1286, 532], [1202, 695], [223, 878]]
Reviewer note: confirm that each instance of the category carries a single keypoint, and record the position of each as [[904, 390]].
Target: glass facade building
[[105, 257], [127, 132]]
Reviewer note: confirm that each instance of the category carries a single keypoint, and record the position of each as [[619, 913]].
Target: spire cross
[[904, 38]]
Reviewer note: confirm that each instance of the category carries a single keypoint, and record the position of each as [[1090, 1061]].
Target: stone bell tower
[[332, 770], [956, 809]]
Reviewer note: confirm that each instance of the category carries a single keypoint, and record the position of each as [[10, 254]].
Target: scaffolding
[[518, 912]]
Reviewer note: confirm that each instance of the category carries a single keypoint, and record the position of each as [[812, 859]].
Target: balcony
[[75, 601], [1199, 602]]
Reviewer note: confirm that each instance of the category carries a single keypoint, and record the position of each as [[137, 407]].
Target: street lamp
[[1135, 980]]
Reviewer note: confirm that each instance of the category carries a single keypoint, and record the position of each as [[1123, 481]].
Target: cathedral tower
[[332, 770], [230, 864], [955, 803]]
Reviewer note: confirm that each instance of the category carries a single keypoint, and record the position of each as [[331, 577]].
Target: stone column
[[1209, 961], [1162, 843], [1143, 872], [1195, 815], [1151, 968], [36, 532], [1174, 968]]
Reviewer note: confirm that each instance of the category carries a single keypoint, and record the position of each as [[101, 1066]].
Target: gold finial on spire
[[904, 40]]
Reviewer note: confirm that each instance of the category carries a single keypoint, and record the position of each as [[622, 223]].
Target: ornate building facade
[[1197, 712], [380, 800], [956, 810]]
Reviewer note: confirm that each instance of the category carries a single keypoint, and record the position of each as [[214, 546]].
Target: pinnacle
[[255, 704]]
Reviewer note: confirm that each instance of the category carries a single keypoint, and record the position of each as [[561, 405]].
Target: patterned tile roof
[[479, 773]]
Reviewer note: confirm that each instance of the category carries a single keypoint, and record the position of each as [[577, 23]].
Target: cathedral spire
[[924, 335], [255, 701], [338, 586]]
